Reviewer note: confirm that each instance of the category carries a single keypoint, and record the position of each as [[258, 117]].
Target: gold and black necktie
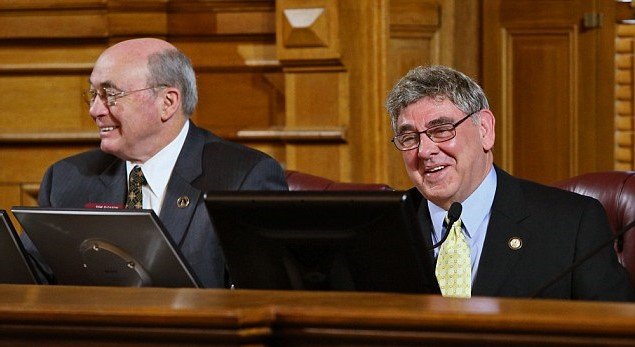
[[135, 184]]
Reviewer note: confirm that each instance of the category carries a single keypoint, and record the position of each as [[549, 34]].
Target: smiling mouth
[[107, 129], [436, 169]]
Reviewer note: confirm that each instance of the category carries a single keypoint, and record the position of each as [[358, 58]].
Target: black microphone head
[[454, 213]]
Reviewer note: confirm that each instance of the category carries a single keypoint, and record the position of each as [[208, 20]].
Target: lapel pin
[[515, 243], [183, 202]]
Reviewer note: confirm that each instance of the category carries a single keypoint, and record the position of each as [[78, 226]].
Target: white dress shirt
[[474, 217], [157, 171]]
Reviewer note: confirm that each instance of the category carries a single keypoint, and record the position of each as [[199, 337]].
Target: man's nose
[[427, 147], [98, 108]]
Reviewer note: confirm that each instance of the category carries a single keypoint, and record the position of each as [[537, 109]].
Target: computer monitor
[[15, 267], [106, 247], [346, 240]]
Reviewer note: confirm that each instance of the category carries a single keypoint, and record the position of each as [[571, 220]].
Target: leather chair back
[[616, 192], [303, 181]]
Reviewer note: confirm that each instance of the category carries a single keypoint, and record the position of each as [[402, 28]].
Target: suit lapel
[[112, 185], [188, 167], [423, 214], [498, 259]]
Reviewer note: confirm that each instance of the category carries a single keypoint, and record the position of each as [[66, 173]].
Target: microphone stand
[[454, 213]]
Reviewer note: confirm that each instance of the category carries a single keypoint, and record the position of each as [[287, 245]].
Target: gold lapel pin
[[183, 202], [515, 243]]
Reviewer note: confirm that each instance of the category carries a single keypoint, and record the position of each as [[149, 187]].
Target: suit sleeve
[[44, 194], [601, 277], [43, 271], [266, 174]]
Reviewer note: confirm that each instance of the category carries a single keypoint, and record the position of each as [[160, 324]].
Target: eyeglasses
[[439, 133], [109, 96]]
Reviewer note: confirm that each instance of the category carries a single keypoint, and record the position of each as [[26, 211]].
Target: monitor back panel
[[106, 247], [15, 268], [362, 241]]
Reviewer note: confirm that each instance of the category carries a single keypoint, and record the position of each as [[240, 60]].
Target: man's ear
[[170, 103], [487, 129]]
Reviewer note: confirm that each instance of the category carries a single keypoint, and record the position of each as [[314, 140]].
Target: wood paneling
[[540, 59], [305, 80], [27, 162], [550, 80], [70, 316], [51, 103], [624, 71]]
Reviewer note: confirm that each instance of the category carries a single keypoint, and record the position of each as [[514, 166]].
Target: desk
[[65, 316]]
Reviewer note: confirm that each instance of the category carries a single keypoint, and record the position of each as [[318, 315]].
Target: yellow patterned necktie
[[135, 184], [454, 269]]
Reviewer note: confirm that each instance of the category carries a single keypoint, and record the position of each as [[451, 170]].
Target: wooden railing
[[60, 315]]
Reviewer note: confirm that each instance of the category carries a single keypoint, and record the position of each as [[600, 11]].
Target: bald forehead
[[126, 62], [137, 49]]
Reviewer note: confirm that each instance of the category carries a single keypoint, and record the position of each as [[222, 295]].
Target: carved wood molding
[[80, 68], [31, 189], [52, 137], [90, 19], [409, 19], [295, 134], [307, 32], [316, 134], [50, 5]]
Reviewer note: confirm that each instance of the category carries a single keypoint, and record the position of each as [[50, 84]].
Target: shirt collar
[[476, 207]]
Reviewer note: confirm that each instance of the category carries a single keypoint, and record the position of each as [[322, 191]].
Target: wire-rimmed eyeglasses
[[110, 95], [439, 133]]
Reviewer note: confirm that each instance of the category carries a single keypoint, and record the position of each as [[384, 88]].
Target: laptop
[[106, 247], [15, 267], [327, 240]]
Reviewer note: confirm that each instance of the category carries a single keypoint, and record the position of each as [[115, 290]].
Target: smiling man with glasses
[[141, 94], [512, 236]]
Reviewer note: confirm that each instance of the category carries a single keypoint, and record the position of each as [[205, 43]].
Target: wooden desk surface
[[62, 315]]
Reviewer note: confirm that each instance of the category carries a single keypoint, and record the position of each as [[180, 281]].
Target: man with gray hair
[[513, 236], [141, 94]]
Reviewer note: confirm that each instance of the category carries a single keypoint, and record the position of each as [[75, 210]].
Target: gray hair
[[173, 68], [434, 82]]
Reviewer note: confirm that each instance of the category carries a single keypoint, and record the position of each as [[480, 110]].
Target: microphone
[[454, 213], [580, 261]]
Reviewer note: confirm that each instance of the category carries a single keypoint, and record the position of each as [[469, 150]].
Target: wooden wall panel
[[9, 195], [316, 86], [304, 81], [565, 80], [624, 82], [543, 85], [318, 101], [44, 103], [27, 162], [245, 100], [365, 42]]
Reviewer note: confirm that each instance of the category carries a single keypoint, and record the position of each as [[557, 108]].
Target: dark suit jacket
[[557, 227], [205, 163]]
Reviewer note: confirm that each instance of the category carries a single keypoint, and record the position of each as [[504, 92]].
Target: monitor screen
[[346, 240], [106, 247], [15, 267]]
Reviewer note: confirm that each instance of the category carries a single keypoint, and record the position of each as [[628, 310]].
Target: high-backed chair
[[616, 192], [303, 181]]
